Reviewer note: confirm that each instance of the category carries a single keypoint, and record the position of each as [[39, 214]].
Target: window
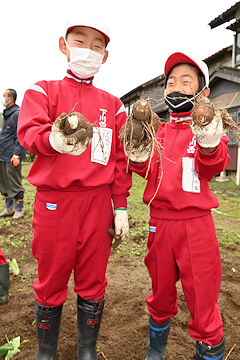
[[237, 49]]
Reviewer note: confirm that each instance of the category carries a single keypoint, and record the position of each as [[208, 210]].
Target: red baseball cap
[[178, 58]]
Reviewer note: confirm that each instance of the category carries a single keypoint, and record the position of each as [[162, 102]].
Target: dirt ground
[[124, 329]]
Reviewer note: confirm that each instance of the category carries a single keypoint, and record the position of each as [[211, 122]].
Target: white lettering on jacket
[[192, 145]]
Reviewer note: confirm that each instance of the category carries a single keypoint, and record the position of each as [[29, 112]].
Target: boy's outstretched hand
[[209, 136], [71, 134]]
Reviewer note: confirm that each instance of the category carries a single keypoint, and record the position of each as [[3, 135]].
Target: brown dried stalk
[[230, 352]]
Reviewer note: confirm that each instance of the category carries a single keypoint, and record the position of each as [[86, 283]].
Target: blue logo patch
[[153, 228], [50, 206]]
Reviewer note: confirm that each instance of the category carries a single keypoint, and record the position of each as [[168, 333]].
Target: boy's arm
[[122, 181], [34, 124], [43, 136], [212, 155], [208, 165]]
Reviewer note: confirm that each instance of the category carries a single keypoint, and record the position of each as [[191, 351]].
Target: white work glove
[[209, 136], [121, 226], [139, 154], [73, 144]]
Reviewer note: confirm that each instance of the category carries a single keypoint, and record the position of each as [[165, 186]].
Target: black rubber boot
[[89, 319], [4, 283], [158, 335], [48, 321], [205, 351]]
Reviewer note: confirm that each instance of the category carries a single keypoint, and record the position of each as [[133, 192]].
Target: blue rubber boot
[[9, 207], [206, 352], [158, 335], [4, 283], [18, 209]]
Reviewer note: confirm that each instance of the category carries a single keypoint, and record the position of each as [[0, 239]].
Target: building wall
[[226, 88], [223, 59], [154, 91]]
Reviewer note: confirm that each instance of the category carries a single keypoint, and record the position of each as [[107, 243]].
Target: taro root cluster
[[139, 132], [76, 127], [140, 127], [203, 113]]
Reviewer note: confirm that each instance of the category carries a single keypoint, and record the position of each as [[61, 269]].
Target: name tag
[[101, 145], [190, 180]]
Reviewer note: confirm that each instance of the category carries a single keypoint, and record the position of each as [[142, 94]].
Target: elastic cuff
[[121, 209], [119, 201]]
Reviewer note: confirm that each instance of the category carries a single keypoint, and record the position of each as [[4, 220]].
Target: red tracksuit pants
[[187, 250], [71, 233], [2, 258]]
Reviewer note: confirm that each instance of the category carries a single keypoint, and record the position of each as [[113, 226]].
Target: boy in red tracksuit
[[182, 241], [76, 182], [4, 279]]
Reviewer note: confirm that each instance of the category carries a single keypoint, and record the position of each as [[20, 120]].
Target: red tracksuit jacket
[[42, 104], [184, 191]]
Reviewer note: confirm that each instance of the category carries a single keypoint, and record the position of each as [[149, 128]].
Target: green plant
[[10, 348]]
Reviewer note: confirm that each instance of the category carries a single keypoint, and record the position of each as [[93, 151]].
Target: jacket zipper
[[80, 93], [175, 138]]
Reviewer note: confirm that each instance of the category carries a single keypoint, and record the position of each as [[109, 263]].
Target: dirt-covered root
[[229, 124], [203, 113], [139, 136], [74, 121], [141, 126], [74, 128], [142, 111]]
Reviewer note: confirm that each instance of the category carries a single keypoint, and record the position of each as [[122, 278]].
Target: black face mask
[[179, 103]]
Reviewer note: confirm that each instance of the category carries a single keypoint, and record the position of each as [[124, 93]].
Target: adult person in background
[[11, 155]]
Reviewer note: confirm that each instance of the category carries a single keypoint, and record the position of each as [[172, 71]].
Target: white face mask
[[84, 63], [4, 103]]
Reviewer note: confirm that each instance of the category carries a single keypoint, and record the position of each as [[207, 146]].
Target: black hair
[[66, 36], [201, 79], [12, 93]]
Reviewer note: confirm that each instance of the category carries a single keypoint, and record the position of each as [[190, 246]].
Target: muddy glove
[[209, 136], [15, 161], [121, 226], [140, 154], [71, 134]]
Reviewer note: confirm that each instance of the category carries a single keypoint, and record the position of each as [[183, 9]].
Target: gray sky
[[143, 34]]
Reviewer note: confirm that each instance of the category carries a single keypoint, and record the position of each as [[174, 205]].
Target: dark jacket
[[9, 144]]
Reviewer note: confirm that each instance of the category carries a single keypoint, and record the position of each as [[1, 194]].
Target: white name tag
[[101, 145], [190, 180]]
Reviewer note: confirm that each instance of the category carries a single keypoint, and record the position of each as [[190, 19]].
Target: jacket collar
[[181, 117], [10, 110], [70, 75]]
